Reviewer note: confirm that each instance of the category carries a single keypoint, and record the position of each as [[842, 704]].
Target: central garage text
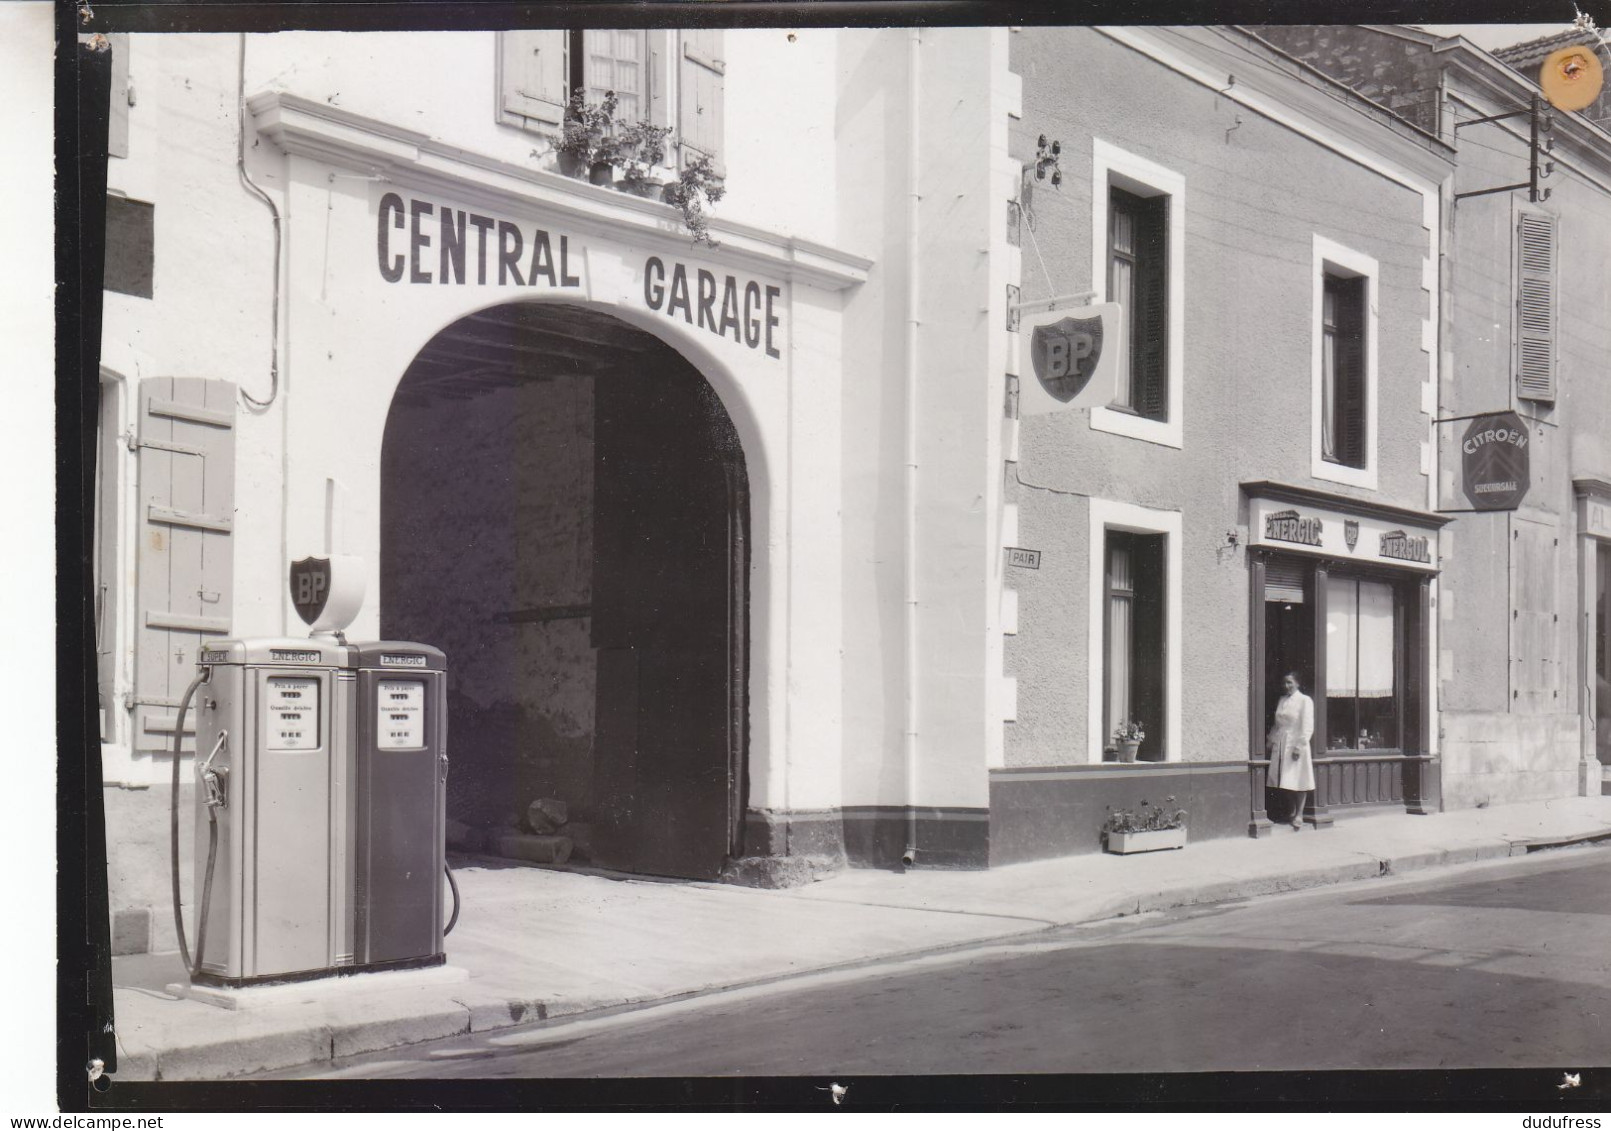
[[751, 327], [514, 258]]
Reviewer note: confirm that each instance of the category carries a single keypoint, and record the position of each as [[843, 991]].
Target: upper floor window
[[1342, 370], [1138, 261], [668, 78], [1138, 267], [613, 59], [1343, 377]]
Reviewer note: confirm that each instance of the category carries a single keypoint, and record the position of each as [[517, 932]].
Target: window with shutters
[[667, 78], [1535, 307], [1137, 268], [1137, 261], [1342, 370], [1343, 359]]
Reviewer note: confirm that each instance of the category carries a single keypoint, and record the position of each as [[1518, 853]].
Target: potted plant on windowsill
[[1127, 739], [1147, 829], [595, 146], [587, 146], [696, 186]]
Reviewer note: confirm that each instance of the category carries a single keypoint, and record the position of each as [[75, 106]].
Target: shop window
[[664, 77], [1137, 261], [1133, 666], [1343, 359], [1137, 273], [1342, 371], [1363, 710], [1535, 305]]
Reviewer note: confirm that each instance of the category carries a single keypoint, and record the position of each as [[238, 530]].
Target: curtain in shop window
[[1328, 375], [1375, 640], [1120, 632], [1342, 636]]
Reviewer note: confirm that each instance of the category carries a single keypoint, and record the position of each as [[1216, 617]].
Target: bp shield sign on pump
[[1073, 356]]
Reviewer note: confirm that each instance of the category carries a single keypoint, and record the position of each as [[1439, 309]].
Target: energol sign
[[1495, 461]]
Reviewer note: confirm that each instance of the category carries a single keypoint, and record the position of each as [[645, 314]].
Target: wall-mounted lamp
[[1046, 155]]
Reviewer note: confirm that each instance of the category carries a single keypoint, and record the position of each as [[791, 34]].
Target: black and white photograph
[[676, 550]]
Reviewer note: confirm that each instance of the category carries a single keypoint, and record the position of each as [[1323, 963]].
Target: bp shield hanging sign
[[1496, 461], [1073, 358]]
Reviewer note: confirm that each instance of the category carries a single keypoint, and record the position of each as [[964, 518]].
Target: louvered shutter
[[186, 516], [702, 71], [1535, 297], [533, 71], [1350, 345], [1152, 300], [1284, 580]]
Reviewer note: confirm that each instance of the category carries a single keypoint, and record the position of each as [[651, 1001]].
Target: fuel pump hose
[[203, 676], [454, 918]]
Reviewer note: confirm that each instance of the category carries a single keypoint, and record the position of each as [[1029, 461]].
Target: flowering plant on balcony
[[1148, 818]]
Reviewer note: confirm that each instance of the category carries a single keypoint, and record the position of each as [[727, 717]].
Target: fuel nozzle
[[215, 781]]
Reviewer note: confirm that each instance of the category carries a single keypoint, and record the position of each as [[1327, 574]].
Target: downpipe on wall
[[914, 44]]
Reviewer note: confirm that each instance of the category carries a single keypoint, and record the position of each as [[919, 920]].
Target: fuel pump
[[401, 790], [320, 808], [274, 749]]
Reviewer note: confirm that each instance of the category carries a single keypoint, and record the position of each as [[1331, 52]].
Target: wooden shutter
[[1151, 335], [1535, 657], [533, 71], [702, 71], [1350, 363], [117, 123], [186, 515], [1535, 301]]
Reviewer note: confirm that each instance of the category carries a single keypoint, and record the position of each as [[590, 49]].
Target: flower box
[[1150, 840]]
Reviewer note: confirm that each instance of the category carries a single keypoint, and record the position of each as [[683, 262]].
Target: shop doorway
[[1602, 654], [1289, 631], [564, 511]]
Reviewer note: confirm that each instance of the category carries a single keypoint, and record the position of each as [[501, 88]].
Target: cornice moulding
[[308, 128]]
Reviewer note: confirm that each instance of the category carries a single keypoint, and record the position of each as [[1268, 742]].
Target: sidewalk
[[541, 944]]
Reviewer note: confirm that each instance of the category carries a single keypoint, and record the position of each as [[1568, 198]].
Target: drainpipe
[[253, 403], [914, 43]]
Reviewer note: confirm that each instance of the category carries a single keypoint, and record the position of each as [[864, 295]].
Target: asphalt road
[[1494, 965]]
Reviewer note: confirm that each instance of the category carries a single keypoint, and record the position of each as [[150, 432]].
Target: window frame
[[1335, 260], [659, 75], [1112, 167], [1106, 515]]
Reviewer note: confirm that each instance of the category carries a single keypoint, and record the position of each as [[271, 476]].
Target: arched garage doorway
[[564, 511]]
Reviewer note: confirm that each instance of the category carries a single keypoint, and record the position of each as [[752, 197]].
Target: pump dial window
[[400, 714], [293, 713]]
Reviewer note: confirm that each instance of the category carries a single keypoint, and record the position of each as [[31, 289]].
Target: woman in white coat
[[1292, 765]]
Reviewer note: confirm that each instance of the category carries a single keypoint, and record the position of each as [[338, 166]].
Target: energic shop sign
[[1496, 461]]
